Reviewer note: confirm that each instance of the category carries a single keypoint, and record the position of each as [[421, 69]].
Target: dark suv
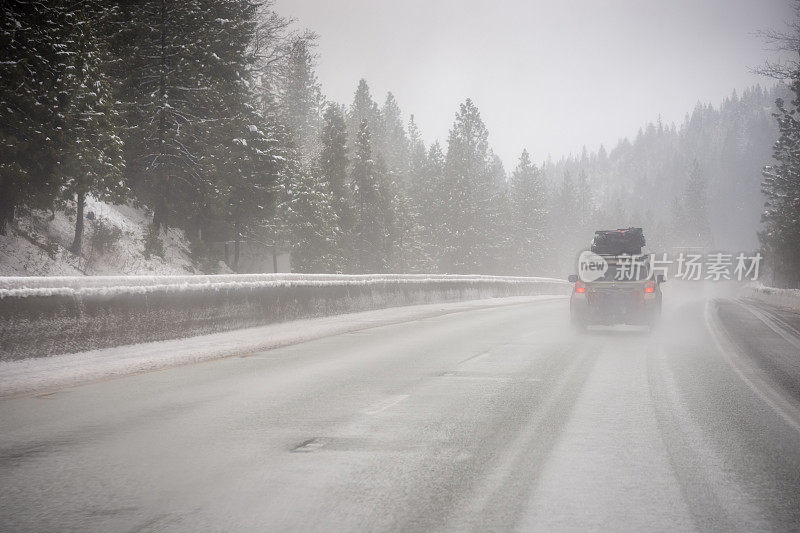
[[622, 295]]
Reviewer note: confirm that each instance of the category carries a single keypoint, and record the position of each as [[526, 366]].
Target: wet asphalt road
[[492, 419]]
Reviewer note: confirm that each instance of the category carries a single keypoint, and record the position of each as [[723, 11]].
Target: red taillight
[[650, 287], [580, 287]]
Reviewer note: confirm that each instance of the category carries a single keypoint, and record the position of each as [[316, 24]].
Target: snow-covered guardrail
[[84, 282], [47, 316], [780, 297]]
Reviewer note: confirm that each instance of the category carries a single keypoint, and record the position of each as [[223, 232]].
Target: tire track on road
[[498, 499]]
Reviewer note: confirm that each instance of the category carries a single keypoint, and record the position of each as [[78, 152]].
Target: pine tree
[[32, 68], [243, 149], [250, 158], [429, 199], [363, 108], [425, 172], [499, 230], [394, 142], [333, 165], [248, 164], [695, 200], [271, 46], [416, 151], [370, 231], [568, 239], [468, 222], [781, 186], [528, 218], [409, 252], [418, 189], [403, 244], [586, 215], [91, 158], [677, 236], [307, 221], [301, 100], [498, 172], [178, 59]]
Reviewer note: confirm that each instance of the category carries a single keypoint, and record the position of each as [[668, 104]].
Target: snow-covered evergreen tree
[[676, 234], [528, 218], [91, 158], [167, 95], [416, 152], [468, 222], [695, 202], [333, 168], [59, 122], [32, 69], [363, 108], [497, 171], [182, 58], [301, 99], [306, 218], [244, 150], [370, 231], [781, 186], [428, 198], [394, 145]]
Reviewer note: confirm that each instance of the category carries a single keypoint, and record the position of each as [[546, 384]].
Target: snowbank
[[779, 297], [19, 286], [41, 317], [39, 374]]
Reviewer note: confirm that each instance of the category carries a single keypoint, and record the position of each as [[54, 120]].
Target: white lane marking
[[475, 375], [785, 409], [772, 324], [384, 404], [719, 481], [471, 357], [310, 445]]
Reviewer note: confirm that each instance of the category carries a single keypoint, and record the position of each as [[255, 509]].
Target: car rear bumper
[[614, 308]]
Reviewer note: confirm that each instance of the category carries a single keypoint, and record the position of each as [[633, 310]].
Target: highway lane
[[491, 419]]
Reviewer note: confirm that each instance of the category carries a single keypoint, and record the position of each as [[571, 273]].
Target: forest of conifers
[[208, 113]]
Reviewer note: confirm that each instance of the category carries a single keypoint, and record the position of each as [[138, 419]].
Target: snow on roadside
[[115, 285], [85, 282], [789, 298], [40, 374], [52, 234]]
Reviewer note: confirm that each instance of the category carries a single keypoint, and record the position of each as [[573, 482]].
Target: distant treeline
[[209, 114]]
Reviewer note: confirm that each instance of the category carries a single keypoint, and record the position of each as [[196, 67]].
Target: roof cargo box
[[618, 241]]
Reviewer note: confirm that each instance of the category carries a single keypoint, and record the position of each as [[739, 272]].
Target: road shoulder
[[761, 350], [43, 375]]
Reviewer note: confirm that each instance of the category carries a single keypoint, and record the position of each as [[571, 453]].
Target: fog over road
[[490, 419]]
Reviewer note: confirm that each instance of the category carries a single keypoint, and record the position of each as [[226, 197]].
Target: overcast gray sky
[[551, 76]]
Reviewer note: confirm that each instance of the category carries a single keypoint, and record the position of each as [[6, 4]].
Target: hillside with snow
[[114, 243]]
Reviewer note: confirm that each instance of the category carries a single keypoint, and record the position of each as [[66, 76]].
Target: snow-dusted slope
[[38, 246]]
